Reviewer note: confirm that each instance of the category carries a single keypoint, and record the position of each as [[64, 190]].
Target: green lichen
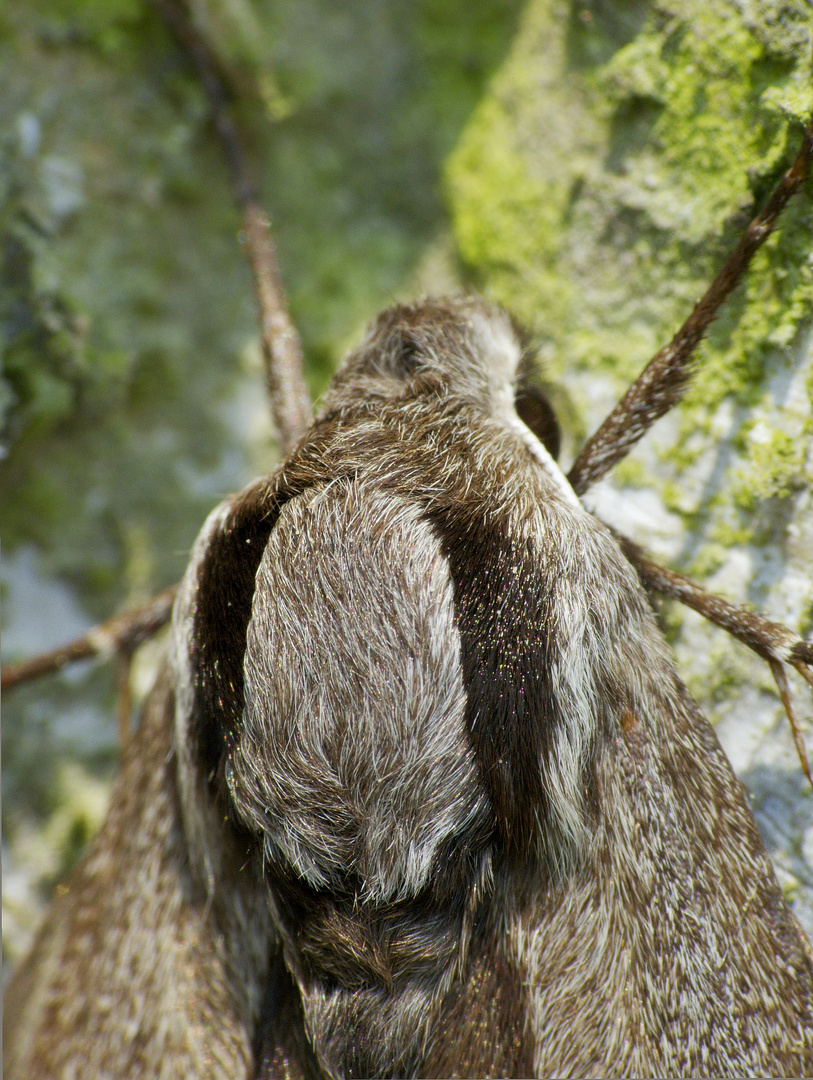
[[79, 805], [774, 468], [631, 473], [674, 497], [644, 166], [790, 890], [499, 242], [727, 676]]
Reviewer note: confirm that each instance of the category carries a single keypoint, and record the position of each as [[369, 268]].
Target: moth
[[419, 791]]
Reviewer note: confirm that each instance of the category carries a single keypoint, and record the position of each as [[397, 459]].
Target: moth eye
[[534, 410], [408, 357]]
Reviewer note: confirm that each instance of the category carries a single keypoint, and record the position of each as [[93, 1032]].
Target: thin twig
[[122, 633], [281, 346], [663, 381]]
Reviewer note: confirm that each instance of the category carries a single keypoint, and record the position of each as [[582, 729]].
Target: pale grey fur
[[353, 755], [542, 509]]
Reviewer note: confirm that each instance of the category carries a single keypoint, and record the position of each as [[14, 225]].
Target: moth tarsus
[[663, 381]]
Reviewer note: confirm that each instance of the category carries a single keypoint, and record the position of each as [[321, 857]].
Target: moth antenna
[[769, 640], [281, 345], [663, 381], [781, 680]]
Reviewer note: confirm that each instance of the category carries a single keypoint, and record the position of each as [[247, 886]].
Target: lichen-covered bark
[[620, 152]]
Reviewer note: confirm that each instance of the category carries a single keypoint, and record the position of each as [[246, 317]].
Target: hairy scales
[[353, 757], [137, 972], [592, 761], [433, 800]]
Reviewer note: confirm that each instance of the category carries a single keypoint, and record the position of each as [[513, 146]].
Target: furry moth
[[420, 792]]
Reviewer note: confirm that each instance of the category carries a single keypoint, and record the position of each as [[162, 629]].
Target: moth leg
[[769, 640], [283, 361], [663, 381], [781, 680]]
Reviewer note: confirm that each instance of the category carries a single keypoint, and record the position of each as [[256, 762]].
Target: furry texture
[[484, 830], [137, 972]]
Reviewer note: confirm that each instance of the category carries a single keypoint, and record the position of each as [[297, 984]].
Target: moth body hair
[[427, 734], [330, 797], [425, 465]]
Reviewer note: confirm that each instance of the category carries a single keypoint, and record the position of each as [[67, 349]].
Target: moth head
[[463, 346]]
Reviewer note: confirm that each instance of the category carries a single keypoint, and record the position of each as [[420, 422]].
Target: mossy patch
[[775, 467], [645, 165]]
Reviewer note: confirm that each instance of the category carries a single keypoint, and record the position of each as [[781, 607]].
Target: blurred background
[[588, 163]]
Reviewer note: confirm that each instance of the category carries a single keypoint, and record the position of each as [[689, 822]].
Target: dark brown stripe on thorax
[[503, 603], [502, 597]]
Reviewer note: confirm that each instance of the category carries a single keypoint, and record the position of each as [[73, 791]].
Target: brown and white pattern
[[433, 801]]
